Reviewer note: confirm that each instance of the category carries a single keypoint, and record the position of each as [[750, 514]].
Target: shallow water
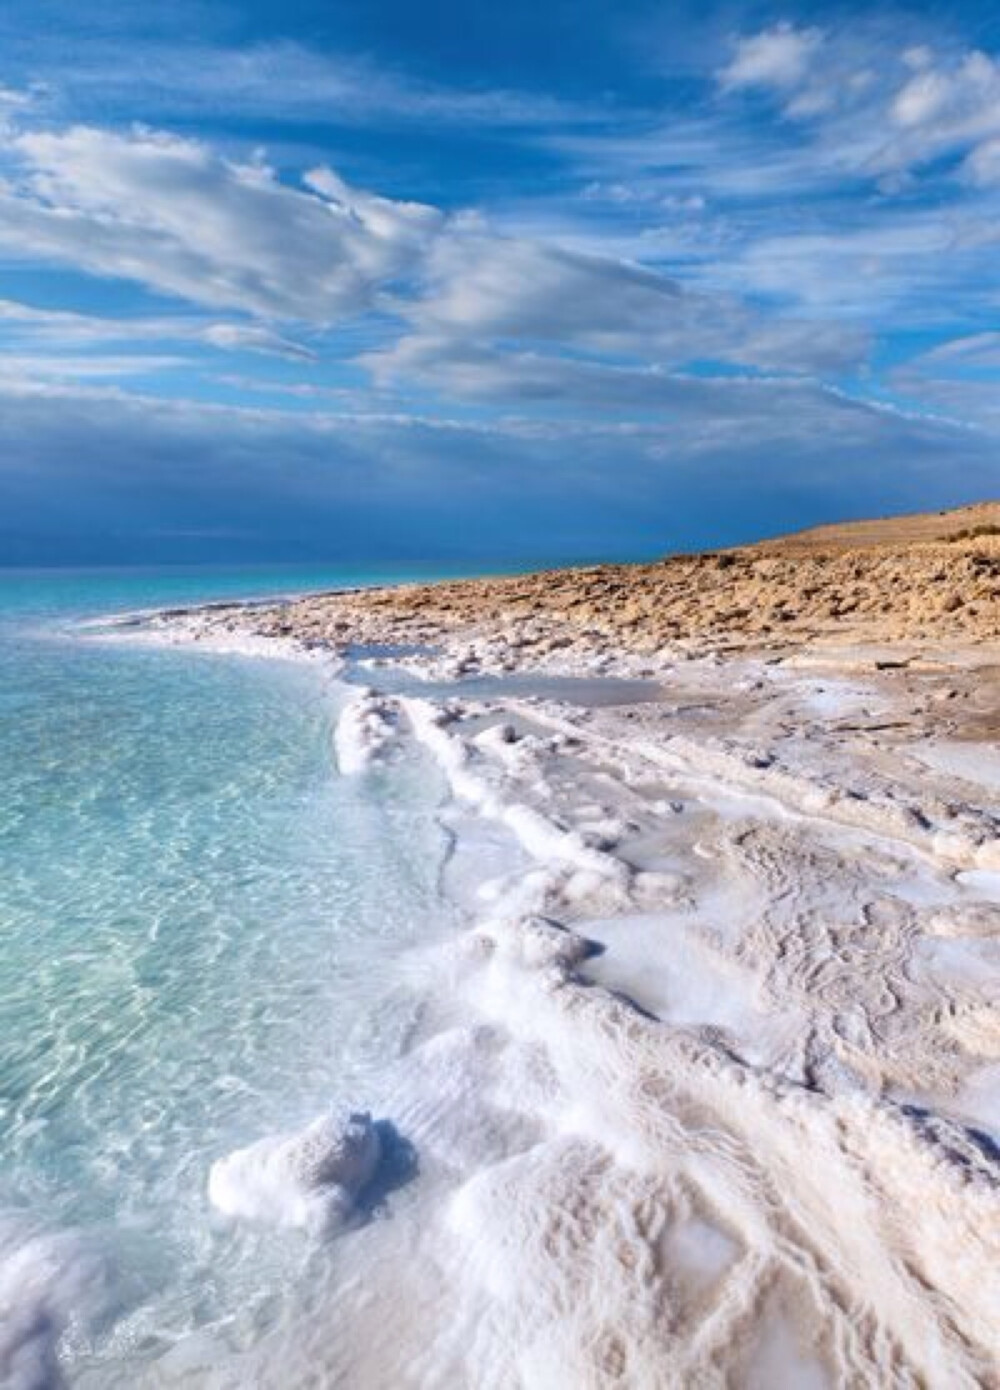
[[587, 692], [198, 923]]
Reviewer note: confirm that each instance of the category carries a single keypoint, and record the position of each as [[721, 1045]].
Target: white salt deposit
[[799, 964], [308, 1180], [366, 726], [972, 762], [675, 1163], [483, 785], [46, 1282]]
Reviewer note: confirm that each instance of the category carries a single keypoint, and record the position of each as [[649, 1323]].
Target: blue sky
[[321, 281]]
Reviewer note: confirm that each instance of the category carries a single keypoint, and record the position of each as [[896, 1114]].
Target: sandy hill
[[933, 578], [979, 518]]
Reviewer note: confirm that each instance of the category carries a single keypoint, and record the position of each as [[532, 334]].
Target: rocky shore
[[915, 580]]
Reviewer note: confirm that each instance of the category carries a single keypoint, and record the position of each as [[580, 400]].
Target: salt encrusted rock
[[309, 1179]]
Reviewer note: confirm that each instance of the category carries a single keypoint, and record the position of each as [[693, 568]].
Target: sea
[[201, 926]]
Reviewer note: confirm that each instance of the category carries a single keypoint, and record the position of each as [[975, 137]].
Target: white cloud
[[175, 216], [511, 287], [29, 331], [859, 271], [13, 99], [777, 58], [880, 111], [973, 404], [63, 324], [921, 99], [486, 297], [951, 107], [918, 56], [974, 350], [709, 406], [283, 81], [982, 166], [251, 337], [960, 377], [70, 367]]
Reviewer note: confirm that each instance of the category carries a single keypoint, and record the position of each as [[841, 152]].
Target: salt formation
[[310, 1179], [46, 1281], [752, 1138], [366, 726], [858, 1231]]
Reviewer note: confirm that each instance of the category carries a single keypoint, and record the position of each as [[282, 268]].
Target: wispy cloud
[[486, 298], [256, 337], [784, 256], [69, 367], [979, 351], [174, 215], [177, 217], [25, 323], [880, 108], [280, 80], [959, 378]]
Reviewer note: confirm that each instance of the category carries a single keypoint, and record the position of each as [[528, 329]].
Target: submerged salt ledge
[[47, 1282]]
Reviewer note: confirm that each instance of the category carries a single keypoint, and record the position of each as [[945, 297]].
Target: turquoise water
[[197, 916]]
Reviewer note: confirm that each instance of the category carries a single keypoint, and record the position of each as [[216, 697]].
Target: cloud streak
[[174, 215]]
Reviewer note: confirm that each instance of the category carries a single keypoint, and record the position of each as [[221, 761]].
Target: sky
[[309, 280]]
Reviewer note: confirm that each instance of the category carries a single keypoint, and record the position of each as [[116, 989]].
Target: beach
[[706, 1089], [499, 696]]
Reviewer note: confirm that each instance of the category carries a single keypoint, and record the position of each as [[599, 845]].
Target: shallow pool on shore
[[586, 692], [201, 928]]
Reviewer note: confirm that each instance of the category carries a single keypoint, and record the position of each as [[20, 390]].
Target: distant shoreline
[[922, 579]]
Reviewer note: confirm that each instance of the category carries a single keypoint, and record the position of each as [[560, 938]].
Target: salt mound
[[366, 726], [308, 1180], [535, 942]]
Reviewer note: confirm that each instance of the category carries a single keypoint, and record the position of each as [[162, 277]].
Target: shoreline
[[752, 949], [830, 591]]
